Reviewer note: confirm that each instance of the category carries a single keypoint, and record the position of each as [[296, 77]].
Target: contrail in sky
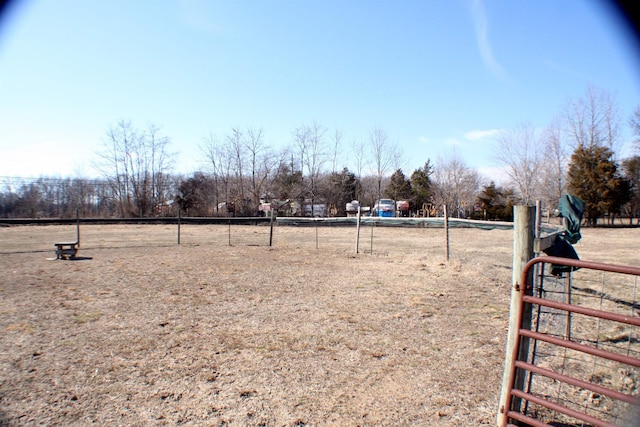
[[482, 36]]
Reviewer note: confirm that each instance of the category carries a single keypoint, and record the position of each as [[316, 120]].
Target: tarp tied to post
[[572, 209]]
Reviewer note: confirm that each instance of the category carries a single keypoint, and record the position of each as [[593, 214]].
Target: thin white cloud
[[475, 135], [453, 141], [482, 37], [424, 140]]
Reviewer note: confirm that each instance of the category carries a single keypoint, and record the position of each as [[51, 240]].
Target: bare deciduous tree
[[337, 145], [217, 156], [455, 184], [385, 155], [593, 120], [520, 153], [236, 147], [135, 164], [634, 123], [358, 148], [554, 168], [158, 163], [261, 161], [310, 142]]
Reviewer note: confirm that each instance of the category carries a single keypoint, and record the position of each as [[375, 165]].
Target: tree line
[[577, 153]]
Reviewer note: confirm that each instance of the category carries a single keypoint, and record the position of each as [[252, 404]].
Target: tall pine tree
[[421, 185], [594, 178], [399, 187]]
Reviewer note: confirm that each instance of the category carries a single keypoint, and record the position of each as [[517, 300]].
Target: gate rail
[[515, 397]]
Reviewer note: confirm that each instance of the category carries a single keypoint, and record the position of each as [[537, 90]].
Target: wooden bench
[[68, 250]]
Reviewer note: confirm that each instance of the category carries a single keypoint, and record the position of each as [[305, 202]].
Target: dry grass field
[[142, 331]]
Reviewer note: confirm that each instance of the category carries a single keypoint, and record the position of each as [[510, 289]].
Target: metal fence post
[[446, 232], [271, 228], [358, 231], [78, 226]]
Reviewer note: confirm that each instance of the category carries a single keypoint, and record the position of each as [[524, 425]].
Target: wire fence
[[583, 369], [376, 236]]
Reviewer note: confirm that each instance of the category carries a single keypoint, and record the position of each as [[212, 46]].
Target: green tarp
[[572, 209]]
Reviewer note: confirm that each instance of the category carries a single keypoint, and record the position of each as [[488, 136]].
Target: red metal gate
[[578, 363]]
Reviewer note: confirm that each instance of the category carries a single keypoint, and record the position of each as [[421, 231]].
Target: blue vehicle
[[384, 208]]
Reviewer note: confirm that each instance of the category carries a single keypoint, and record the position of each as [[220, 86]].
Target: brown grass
[[148, 332]]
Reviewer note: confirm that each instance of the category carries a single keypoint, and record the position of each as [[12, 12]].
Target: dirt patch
[[306, 332]]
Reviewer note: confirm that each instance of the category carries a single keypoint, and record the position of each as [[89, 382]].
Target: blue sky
[[433, 74]]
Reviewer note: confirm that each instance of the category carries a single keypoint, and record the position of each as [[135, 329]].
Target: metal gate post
[[523, 239]]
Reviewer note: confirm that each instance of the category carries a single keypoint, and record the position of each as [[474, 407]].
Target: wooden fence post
[[523, 239]]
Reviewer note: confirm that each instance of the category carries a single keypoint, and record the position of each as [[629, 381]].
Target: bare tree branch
[[520, 153]]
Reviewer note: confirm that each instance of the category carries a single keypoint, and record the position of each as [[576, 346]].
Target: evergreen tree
[[496, 203], [421, 185], [342, 188], [594, 178], [631, 169], [287, 183], [399, 187]]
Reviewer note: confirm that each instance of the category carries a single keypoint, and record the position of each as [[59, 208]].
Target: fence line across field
[[264, 234]]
